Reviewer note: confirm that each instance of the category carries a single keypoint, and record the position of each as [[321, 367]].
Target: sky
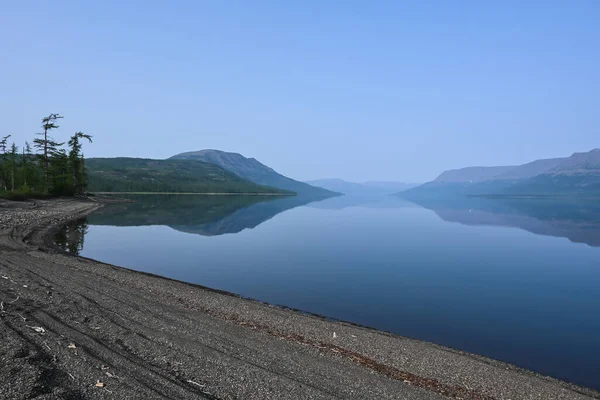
[[358, 90]]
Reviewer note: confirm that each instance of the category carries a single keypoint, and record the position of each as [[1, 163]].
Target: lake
[[514, 280]]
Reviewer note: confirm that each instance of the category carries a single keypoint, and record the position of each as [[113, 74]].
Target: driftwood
[[196, 383]]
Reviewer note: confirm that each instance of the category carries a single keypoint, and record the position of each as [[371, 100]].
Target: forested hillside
[[175, 176]]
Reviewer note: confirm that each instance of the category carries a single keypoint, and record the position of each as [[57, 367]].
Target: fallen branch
[[196, 383], [38, 329], [14, 301], [113, 376], [2, 307], [22, 317], [72, 377], [8, 278]]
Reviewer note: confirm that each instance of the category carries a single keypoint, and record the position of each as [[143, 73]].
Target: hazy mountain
[[578, 174], [556, 185], [529, 170], [145, 175], [472, 174], [579, 164], [252, 170], [354, 188]]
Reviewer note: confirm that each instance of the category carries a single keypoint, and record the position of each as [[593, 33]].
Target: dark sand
[[67, 323]]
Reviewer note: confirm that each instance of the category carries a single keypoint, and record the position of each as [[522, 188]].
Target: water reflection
[[364, 201], [503, 293], [202, 215], [71, 237], [575, 219]]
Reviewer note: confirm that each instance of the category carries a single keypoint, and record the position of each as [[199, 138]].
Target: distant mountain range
[[254, 171], [578, 174], [353, 188]]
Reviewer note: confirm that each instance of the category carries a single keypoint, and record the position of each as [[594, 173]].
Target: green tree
[[60, 178], [27, 168], [3, 166], [3, 143], [47, 145], [12, 164], [76, 162]]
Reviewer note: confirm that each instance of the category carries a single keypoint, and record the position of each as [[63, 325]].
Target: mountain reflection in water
[[575, 219], [202, 215]]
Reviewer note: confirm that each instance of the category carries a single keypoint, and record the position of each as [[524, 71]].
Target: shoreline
[[193, 194], [165, 338], [573, 196]]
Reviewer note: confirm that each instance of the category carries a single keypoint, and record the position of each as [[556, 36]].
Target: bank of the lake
[[191, 194], [76, 328]]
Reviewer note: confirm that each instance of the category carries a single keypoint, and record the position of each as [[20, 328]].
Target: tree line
[[45, 167]]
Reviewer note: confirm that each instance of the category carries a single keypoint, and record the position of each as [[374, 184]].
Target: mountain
[[472, 174], [579, 164], [145, 175], [252, 170], [578, 174], [529, 170], [341, 186]]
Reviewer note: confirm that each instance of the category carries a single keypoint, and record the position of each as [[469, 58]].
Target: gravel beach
[[74, 328]]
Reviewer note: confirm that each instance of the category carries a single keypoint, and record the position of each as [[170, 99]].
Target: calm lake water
[[515, 280]]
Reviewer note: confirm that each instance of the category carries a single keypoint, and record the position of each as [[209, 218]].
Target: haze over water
[[514, 280]]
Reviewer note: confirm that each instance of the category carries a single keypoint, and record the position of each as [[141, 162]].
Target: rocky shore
[[74, 328]]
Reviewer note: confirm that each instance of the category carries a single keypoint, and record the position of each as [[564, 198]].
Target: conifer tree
[[46, 145], [76, 163], [3, 166], [12, 164]]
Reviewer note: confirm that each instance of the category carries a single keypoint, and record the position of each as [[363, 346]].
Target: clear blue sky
[[361, 90]]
